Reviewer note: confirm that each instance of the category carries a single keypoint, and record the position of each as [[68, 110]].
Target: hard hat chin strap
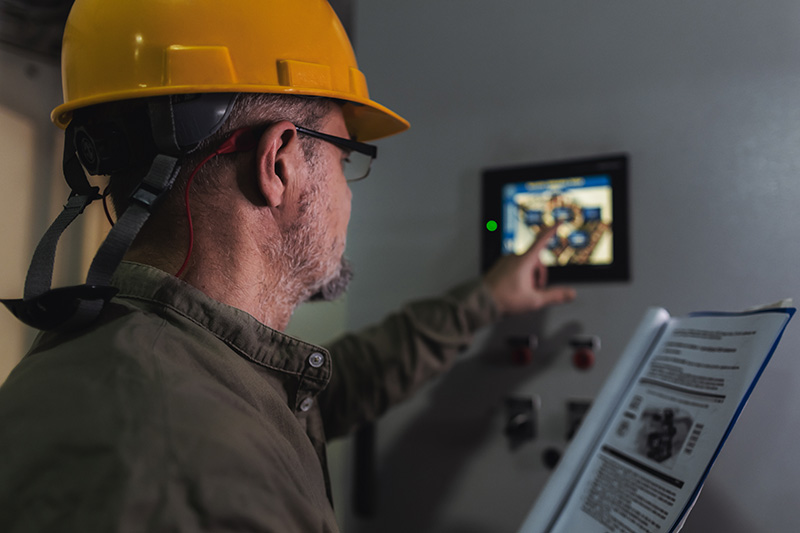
[[72, 307]]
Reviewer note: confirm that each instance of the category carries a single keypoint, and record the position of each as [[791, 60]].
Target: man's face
[[325, 214]]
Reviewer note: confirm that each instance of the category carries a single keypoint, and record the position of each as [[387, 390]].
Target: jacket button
[[316, 360], [306, 404]]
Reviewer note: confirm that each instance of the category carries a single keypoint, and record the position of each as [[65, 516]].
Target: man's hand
[[518, 283]]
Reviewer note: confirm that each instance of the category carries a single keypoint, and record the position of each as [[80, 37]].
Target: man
[[176, 403]]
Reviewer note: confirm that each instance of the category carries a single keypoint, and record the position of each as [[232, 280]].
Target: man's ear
[[277, 158]]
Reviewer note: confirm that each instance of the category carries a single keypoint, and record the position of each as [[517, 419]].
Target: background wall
[[34, 190], [27, 151], [704, 97]]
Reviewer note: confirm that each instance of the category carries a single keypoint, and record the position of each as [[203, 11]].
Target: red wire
[[189, 210], [241, 140]]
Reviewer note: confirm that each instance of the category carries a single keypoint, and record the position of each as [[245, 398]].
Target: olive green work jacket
[[174, 412]]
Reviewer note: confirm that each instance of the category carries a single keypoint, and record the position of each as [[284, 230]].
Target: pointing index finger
[[541, 241]]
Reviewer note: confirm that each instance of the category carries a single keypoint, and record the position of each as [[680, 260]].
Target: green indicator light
[[491, 225]]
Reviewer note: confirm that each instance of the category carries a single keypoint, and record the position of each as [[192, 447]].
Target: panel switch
[[521, 415]]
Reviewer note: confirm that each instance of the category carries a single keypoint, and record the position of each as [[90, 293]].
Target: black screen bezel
[[613, 165]]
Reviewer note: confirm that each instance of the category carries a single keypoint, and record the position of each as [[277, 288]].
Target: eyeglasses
[[359, 155]]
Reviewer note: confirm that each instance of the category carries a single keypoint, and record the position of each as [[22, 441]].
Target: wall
[[27, 150], [703, 95], [34, 190]]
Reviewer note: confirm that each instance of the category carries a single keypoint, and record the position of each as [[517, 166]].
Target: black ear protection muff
[[152, 136], [102, 148], [112, 143]]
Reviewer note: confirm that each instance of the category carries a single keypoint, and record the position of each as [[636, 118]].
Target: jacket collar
[[250, 338]]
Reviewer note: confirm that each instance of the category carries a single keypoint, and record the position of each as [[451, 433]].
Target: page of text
[[657, 450]]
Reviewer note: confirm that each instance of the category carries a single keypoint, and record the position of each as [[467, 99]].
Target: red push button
[[522, 349], [583, 358], [585, 347], [521, 356]]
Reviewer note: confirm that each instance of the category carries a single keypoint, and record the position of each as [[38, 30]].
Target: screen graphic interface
[[583, 206]]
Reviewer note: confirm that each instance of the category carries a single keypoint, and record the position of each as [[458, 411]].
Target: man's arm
[[383, 364]]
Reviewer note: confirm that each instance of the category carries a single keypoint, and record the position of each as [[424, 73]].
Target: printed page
[[608, 401], [652, 458]]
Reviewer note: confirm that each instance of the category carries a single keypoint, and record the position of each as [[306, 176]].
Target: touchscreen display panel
[[587, 197]]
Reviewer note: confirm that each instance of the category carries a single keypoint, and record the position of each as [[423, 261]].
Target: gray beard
[[336, 286]]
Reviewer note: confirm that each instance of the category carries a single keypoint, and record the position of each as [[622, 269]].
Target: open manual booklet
[[640, 458]]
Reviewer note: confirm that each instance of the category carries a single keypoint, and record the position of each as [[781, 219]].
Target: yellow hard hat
[[123, 49]]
